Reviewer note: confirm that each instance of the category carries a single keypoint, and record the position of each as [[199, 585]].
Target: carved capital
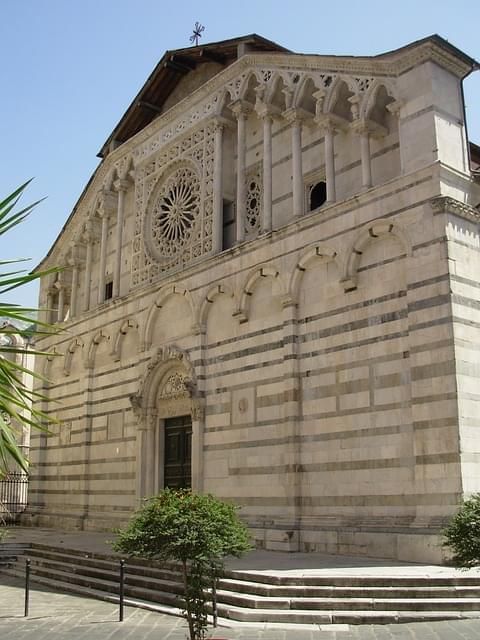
[[198, 409], [76, 255], [122, 185], [136, 402], [296, 115], [221, 123], [355, 105], [91, 231], [331, 122], [266, 110], [394, 107], [241, 108], [364, 126], [106, 203]]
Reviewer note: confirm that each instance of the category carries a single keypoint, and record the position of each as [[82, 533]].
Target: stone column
[[365, 157], [74, 294], [61, 300], [267, 173], [49, 311], [103, 257], [217, 231], [141, 449], [291, 411], [295, 118], [241, 112], [121, 187], [89, 238], [330, 163], [265, 112]]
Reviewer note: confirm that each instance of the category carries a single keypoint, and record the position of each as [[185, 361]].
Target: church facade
[[270, 292]]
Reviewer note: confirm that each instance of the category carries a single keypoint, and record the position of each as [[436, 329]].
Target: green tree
[[16, 399], [197, 531], [462, 535]]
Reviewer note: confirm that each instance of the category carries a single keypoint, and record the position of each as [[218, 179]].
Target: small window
[[109, 290], [229, 225], [318, 195]]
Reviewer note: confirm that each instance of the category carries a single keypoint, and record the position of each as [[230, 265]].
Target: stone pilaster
[[296, 117], [121, 187], [241, 111]]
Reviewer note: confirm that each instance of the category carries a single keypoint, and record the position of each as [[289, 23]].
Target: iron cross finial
[[197, 33]]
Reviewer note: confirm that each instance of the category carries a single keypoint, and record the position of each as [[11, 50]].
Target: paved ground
[[55, 616]]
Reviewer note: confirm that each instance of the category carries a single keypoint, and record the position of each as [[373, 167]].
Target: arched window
[[318, 195]]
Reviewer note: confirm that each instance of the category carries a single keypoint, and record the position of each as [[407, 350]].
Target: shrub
[[198, 531], [462, 535]]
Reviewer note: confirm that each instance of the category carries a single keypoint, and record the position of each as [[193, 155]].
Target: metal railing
[[13, 496]]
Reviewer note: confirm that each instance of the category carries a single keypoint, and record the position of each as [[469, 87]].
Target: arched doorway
[[170, 425]]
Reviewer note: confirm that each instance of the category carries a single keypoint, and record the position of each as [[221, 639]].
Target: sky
[[70, 68]]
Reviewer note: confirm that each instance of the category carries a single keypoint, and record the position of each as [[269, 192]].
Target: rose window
[[173, 215]]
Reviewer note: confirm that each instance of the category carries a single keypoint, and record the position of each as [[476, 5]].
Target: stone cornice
[[446, 204]]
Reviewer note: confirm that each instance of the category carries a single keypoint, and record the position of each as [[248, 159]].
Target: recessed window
[[229, 225], [109, 290], [318, 195]]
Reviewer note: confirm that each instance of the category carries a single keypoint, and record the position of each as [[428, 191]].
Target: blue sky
[[70, 68]]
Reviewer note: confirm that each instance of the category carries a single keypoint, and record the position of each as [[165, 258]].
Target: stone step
[[71, 581], [98, 594], [353, 580], [110, 574], [251, 597], [82, 563], [102, 556], [336, 617], [339, 604], [136, 597], [434, 591]]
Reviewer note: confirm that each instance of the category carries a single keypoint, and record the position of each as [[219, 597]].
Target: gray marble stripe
[[437, 397], [388, 501], [463, 280], [80, 492], [69, 463], [85, 476], [348, 465], [110, 441]]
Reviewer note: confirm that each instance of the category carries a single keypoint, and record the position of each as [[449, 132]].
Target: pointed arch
[[99, 337], [248, 86], [380, 228], [75, 345], [224, 100], [110, 178], [264, 271], [164, 295], [336, 101], [318, 252], [303, 95], [49, 359], [126, 326], [372, 93], [212, 294], [274, 94]]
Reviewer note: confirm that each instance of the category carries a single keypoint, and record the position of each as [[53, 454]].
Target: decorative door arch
[[167, 390]]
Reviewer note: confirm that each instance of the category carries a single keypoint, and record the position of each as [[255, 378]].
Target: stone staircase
[[9, 551], [253, 597]]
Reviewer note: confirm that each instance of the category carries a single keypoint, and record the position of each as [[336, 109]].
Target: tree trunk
[[187, 601]]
